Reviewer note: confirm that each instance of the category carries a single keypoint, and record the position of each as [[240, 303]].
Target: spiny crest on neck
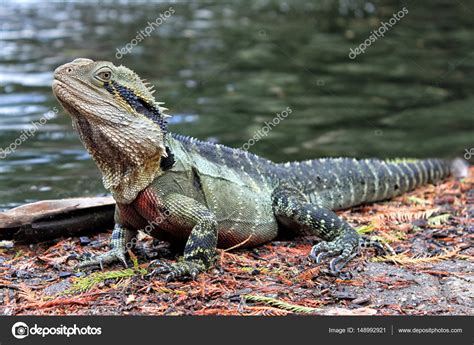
[[137, 94]]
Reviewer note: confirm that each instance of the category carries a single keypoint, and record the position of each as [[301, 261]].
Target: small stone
[[236, 296], [343, 294], [64, 274], [419, 223], [361, 300], [6, 244], [440, 234], [57, 288], [84, 240], [130, 299], [21, 274], [255, 272], [96, 244]]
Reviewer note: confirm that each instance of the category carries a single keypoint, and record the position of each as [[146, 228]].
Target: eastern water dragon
[[206, 195]]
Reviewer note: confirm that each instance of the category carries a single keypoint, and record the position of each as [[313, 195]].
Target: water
[[226, 68]]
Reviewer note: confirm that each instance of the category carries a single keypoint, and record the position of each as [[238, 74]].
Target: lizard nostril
[[69, 70]]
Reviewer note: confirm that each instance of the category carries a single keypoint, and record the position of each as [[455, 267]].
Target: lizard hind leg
[[339, 238]]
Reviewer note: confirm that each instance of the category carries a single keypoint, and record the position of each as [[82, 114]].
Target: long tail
[[345, 182], [390, 178]]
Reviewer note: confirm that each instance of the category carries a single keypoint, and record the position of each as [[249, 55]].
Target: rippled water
[[224, 68]]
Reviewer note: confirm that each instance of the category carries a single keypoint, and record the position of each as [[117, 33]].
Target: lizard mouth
[[57, 87], [75, 100], [63, 95], [71, 100], [62, 91]]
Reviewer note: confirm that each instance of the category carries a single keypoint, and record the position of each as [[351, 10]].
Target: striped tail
[[389, 178], [340, 183]]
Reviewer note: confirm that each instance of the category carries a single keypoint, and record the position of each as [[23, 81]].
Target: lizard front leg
[[120, 242], [340, 239], [200, 249]]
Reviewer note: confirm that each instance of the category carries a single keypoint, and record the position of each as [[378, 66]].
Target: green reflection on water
[[225, 68]]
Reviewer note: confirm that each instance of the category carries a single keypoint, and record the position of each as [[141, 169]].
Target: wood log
[[50, 219]]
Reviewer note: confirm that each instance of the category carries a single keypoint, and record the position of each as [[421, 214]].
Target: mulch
[[430, 229]]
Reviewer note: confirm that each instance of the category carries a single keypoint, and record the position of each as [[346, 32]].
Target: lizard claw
[[179, 270], [333, 264], [317, 257], [347, 251], [109, 257], [320, 251], [163, 268]]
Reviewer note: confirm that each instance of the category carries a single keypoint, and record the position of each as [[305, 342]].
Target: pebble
[[21, 274], [57, 288], [361, 300], [255, 272], [84, 240], [6, 244], [64, 274], [342, 294]]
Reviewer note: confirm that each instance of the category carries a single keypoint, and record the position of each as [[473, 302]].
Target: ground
[[430, 229]]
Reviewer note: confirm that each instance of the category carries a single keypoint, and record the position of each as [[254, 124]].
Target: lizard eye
[[104, 74]]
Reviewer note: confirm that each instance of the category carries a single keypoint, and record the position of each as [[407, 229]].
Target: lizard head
[[118, 121]]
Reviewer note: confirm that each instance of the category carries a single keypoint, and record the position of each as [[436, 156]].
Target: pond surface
[[226, 68]]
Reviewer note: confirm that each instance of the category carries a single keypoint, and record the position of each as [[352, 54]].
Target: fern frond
[[83, 284], [27, 293], [282, 305], [418, 201], [438, 220], [409, 216], [365, 229], [404, 259]]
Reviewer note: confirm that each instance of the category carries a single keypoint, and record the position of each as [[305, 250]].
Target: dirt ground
[[432, 273]]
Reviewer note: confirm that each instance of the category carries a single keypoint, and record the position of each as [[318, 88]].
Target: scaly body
[[206, 195]]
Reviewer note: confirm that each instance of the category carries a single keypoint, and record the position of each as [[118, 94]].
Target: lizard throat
[[128, 158]]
